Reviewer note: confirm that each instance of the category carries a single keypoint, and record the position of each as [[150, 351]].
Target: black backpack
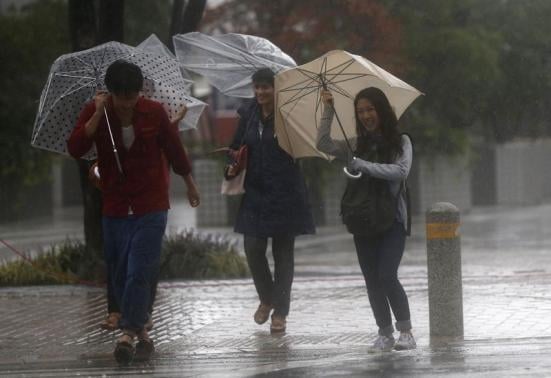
[[368, 208]]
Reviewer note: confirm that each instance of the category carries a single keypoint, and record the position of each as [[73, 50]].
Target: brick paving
[[205, 328], [210, 322]]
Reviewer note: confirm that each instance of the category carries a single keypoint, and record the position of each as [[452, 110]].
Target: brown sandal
[[144, 350], [124, 350], [111, 322]]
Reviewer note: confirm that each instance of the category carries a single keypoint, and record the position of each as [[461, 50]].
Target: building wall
[[520, 173], [440, 179]]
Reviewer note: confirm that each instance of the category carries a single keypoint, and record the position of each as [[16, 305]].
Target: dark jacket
[[275, 200], [145, 164]]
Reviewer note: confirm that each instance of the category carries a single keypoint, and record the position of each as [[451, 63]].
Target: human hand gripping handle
[[326, 97], [100, 101]]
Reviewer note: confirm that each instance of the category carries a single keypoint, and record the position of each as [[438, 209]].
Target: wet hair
[[123, 77], [388, 122], [264, 76]]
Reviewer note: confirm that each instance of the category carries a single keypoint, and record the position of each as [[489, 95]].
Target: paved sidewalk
[[205, 328]]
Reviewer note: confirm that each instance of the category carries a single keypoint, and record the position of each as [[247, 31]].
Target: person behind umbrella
[[135, 194], [274, 204], [379, 256], [111, 321]]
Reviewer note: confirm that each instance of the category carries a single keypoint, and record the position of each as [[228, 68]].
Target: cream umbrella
[[298, 103]]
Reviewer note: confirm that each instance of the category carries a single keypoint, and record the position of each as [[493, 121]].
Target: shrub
[[58, 265], [189, 254], [185, 255]]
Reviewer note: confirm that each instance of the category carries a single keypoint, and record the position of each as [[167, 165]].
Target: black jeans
[[277, 290], [379, 259]]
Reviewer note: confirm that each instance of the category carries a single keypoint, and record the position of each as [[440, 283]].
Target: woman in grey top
[[379, 256]]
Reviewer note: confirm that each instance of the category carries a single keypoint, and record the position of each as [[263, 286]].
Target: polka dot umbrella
[[74, 79]]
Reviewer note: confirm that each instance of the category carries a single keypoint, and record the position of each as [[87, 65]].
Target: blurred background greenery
[[484, 66]]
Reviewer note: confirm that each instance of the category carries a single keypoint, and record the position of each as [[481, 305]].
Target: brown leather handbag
[[239, 162]]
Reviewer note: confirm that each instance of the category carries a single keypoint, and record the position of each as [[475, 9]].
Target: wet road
[[205, 328]]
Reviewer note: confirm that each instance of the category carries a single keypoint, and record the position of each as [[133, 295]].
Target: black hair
[[264, 76], [391, 139], [123, 77]]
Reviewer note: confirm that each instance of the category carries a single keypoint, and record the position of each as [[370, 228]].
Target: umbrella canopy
[[154, 45], [74, 79], [229, 60], [298, 103]]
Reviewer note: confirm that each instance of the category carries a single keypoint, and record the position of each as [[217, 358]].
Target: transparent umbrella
[[74, 79], [229, 60], [154, 45]]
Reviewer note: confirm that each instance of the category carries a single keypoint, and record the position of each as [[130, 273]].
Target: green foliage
[[144, 17], [189, 254], [31, 39], [484, 66], [185, 255], [55, 266]]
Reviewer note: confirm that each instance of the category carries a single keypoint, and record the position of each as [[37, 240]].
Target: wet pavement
[[205, 328]]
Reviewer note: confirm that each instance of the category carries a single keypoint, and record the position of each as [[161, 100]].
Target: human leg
[[142, 269], [255, 250], [116, 237], [392, 249], [368, 257], [284, 267]]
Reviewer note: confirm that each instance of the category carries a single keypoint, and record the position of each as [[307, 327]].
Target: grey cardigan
[[396, 173]]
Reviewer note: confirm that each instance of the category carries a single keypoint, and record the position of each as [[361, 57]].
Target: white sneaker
[[382, 344], [405, 342]]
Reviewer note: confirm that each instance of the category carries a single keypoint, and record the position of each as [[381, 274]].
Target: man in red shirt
[[135, 182]]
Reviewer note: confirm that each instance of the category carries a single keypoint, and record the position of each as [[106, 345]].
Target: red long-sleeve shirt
[[144, 188]]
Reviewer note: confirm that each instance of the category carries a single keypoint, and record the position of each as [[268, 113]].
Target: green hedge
[[185, 255], [189, 254], [58, 265]]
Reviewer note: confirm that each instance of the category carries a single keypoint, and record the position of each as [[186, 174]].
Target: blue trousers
[[379, 260], [132, 248]]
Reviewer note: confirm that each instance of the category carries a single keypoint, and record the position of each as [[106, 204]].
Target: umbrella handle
[[352, 175]]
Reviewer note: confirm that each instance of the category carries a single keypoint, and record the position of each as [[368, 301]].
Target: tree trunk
[[111, 21], [175, 21], [192, 15], [185, 20], [84, 35]]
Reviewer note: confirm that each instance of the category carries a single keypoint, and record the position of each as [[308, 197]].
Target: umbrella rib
[[43, 100], [295, 98], [65, 94], [83, 61], [340, 68], [310, 75], [339, 90], [74, 76], [332, 105]]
